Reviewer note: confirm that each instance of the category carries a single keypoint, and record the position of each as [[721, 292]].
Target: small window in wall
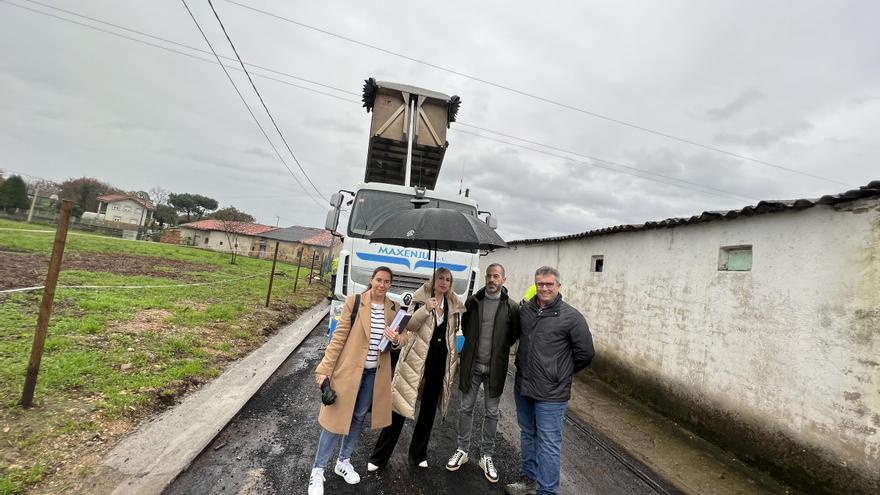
[[221, 243], [206, 240], [735, 259], [597, 263]]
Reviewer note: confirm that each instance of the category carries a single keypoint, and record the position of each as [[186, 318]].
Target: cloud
[[764, 138], [734, 107]]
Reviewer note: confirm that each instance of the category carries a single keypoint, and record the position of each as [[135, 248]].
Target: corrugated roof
[[236, 227], [763, 207], [305, 235]]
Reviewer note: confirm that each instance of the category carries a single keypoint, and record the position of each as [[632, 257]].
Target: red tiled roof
[[112, 198], [236, 227], [323, 239]]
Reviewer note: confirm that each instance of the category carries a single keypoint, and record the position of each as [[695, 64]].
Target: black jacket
[[503, 336], [555, 344]]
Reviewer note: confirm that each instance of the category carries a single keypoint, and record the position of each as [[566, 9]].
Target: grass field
[[115, 356]]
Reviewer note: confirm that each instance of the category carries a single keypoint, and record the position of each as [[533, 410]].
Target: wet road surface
[[269, 448]]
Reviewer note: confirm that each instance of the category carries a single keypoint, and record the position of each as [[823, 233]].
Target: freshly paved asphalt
[[269, 448]]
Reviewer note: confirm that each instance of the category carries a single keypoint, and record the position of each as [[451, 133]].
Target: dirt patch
[[19, 269], [148, 320]]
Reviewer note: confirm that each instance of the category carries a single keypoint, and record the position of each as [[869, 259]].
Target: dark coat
[[504, 335], [555, 344]]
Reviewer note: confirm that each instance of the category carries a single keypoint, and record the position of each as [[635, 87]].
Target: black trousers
[[435, 368]]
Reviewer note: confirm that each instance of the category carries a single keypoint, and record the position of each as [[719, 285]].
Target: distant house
[[125, 209], [223, 236], [311, 243]]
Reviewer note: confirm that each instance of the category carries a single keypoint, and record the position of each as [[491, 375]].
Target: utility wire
[[182, 45], [537, 97], [172, 50], [725, 193], [599, 165], [600, 160], [251, 112], [263, 102]]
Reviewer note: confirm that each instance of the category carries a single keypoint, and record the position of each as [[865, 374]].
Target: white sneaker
[[346, 470], [489, 470], [372, 467], [316, 482], [458, 459]]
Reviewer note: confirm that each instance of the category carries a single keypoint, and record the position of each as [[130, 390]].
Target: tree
[[165, 215], [13, 193], [84, 192], [232, 214], [158, 195], [192, 204]]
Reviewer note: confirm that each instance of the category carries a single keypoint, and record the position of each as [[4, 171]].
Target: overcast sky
[[793, 84]]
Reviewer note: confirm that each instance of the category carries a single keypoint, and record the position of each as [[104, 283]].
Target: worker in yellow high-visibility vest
[[531, 292], [334, 265]]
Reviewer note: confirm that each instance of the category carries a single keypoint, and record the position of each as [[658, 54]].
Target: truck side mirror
[[492, 222], [332, 219], [336, 200]]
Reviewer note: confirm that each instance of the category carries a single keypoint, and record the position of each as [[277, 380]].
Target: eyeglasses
[[548, 285]]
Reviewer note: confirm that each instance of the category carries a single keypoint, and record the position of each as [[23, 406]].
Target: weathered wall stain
[[779, 363]]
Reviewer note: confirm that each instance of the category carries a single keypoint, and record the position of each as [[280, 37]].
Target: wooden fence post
[[296, 279], [272, 276], [30, 382]]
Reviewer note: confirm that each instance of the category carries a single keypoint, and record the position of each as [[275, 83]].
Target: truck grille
[[402, 284]]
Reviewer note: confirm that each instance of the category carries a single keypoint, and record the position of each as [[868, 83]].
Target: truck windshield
[[372, 207]]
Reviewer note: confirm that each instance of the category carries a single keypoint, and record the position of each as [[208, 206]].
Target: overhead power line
[[262, 102], [257, 121], [595, 159], [172, 42], [536, 96], [724, 193], [607, 165]]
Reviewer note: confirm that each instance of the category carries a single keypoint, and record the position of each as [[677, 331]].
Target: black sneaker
[[525, 486]]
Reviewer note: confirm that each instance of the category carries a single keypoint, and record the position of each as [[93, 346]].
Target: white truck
[[407, 145]]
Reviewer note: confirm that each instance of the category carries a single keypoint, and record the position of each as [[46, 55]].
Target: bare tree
[[158, 196]]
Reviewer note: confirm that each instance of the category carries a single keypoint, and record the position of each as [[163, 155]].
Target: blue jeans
[[327, 442], [540, 425]]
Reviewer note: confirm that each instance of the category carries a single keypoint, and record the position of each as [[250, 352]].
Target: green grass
[[120, 354]]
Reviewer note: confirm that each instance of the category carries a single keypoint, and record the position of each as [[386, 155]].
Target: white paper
[[402, 317]]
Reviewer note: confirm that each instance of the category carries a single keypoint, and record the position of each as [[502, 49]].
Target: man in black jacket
[[555, 344], [490, 326]]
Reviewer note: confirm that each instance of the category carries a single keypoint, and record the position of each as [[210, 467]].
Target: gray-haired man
[[490, 326], [555, 344]]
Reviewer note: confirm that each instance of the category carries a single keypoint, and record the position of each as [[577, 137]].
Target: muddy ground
[[27, 269]]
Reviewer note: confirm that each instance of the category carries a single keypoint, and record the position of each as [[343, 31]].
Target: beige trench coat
[[344, 361], [406, 387]]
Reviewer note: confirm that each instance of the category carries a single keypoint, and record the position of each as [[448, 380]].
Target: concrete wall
[[780, 363], [216, 240]]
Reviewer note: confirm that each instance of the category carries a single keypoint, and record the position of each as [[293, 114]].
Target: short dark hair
[[499, 265]]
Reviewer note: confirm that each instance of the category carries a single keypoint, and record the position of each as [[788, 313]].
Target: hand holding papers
[[400, 321]]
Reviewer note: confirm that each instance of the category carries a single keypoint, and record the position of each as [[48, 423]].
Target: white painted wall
[[793, 344], [125, 211], [217, 241]]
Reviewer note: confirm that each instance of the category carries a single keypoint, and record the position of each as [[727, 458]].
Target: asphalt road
[[269, 448]]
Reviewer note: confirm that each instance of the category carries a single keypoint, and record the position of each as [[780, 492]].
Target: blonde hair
[[440, 271]]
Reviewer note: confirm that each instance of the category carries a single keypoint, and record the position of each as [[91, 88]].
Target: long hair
[[440, 271]]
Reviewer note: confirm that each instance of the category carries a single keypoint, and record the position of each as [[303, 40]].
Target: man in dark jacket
[[490, 326], [555, 343]]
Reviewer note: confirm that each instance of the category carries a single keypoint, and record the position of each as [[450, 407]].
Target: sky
[[575, 115]]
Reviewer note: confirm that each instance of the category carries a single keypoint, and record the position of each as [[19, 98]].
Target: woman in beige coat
[[360, 375], [426, 368]]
